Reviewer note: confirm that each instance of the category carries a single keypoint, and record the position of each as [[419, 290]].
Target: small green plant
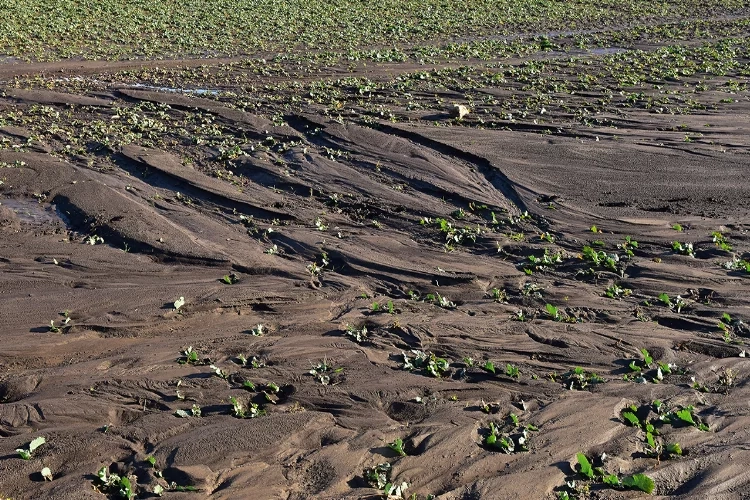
[[378, 476], [398, 446], [113, 484], [499, 295], [584, 466], [721, 241], [258, 330], [429, 362], [179, 303], [358, 334], [239, 410], [553, 312], [25, 453], [512, 371], [509, 436], [190, 356], [230, 279], [677, 227], [683, 248], [489, 366], [47, 474], [323, 372], [577, 379], [615, 291], [677, 305]]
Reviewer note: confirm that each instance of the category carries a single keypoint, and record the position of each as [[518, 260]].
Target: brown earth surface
[[317, 216]]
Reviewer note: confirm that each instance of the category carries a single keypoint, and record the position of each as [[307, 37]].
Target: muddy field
[[251, 276]]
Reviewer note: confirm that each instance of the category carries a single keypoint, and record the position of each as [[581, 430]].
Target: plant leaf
[[36, 443], [631, 418], [639, 482], [585, 466], [47, 474]]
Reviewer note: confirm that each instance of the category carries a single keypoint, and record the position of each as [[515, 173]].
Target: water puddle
[[34, 212]]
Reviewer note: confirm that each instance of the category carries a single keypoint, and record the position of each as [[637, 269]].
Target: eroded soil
[[317, 186]]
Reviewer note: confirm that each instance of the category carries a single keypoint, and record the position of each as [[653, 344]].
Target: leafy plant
[[190, 357], [258, 330], [179, 303], [639, 482], [358, 334], [398, 446], [428, 362], [615, 291], [113, 484], [378, 476], [683, 248], [721, 241], [489, 366], [239, 410], [47, 474], [35, 443], [584, 466], [323, 372], [578, 379], [512, 371], [230, 279]]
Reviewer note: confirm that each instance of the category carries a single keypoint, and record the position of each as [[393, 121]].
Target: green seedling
[[113, 484], [47, 474], [519, 315], [511, 438], [546, 236], [179, 303], [639, 482], [239, 410], [512, 371], [258, 330], [584, 466], [274, 250], [686, 416], [219, 372], [395, 491], [230, 279], [358, 334], [595, 229], [391, 309], [629, 245], [323, 372], [151, 461], [191, 357], [683, 248], [578, 379], [398, 446], [489, 366], [378, 476], [615, 291], [195, 411], [553, 312], [25, 453], [600, 258], [158, 490], [428, 362], [248, 385], [677, 227], [499, 295], [737, 264], [721, 241]]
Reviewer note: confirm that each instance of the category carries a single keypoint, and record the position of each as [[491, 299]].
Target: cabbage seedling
[[47, 474], [683, 248], [113, 483], [179, 303], [35, 443], [378, 476], [230, 279], [358, 334], [398, 446]]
